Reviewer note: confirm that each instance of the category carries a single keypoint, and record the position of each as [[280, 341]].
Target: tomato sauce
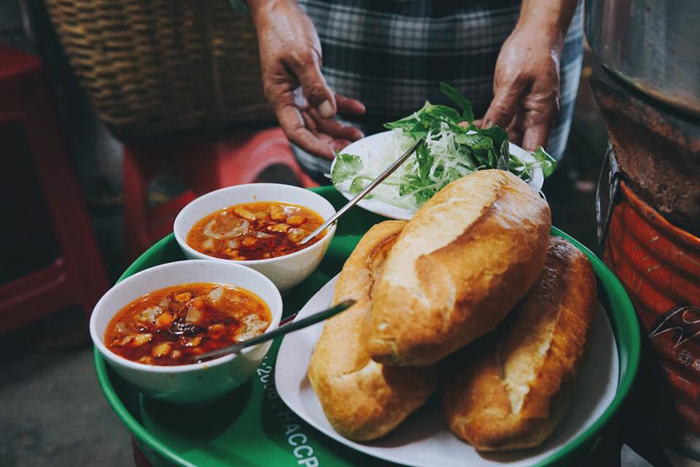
[[253, 231], [173, 325]]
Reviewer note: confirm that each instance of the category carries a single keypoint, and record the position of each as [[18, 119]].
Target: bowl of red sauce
[[151, 326], [260, 226]]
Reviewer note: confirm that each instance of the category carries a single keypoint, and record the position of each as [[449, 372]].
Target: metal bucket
[[659, 265], [649, 44]]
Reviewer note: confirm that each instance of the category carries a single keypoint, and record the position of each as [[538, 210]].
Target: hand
[[290, 58], [526, 86]]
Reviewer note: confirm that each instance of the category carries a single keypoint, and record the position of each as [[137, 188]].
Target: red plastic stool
[[77, 276], [203, 166]]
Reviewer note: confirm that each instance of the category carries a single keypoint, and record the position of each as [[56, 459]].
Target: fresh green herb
[[346, 165], [451, 151], [460, 100], [356, 186], [547, 162]]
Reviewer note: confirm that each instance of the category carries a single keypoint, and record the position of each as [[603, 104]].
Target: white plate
[[363, 149], [424, 439]]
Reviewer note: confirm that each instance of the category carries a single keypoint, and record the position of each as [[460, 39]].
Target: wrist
[[542, 36], [260, 9], [547, 21]]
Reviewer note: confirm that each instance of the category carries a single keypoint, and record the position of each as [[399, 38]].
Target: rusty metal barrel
[[659, 265]]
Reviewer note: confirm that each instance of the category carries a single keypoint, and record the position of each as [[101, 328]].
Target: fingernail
[[326, 109]]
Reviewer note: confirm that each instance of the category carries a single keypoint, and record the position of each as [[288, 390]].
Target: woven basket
[[155, 68]]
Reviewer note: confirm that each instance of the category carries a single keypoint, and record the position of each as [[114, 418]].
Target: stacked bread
[[476, 260]]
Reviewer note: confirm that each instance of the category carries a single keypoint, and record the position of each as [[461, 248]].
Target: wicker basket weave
[[156, 68]]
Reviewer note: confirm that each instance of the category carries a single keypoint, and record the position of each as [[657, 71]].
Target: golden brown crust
[[510, 389], [460, 265], [362, 399], [359, 271]]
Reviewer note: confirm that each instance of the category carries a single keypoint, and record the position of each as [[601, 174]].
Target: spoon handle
[[382, 176], [295, 326]]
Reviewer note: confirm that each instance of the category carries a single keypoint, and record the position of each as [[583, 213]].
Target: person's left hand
[[526, 86]]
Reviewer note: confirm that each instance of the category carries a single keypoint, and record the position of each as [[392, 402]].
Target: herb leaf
[[356, 186], [497, 134], [450, 152], [547, 162], [346, 165], [457, 97]]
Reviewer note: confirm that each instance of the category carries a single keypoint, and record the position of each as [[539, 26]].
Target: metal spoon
[[295, 326], [389, 170]]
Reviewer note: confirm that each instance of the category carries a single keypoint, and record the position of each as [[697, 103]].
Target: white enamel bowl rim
[[275, 311], [181, 236]]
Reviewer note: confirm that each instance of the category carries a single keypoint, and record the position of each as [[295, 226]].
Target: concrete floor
[[52, 411]]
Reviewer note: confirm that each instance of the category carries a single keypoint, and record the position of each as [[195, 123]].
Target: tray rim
[[628, 347]]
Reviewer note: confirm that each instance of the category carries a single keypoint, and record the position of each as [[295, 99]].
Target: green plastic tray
[[252, 427]]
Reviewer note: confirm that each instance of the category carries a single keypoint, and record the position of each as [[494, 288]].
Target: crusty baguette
[[513, 388], [362, 399], [460, 265]]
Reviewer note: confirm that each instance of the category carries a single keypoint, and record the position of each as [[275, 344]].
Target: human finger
[[335, 144], [504, 104], [334, 128], [349, 106], [542, 110], [339, 144], [309, 121], [293, 125], [535, 136], [465, 124], [314, 86], [515, 129]]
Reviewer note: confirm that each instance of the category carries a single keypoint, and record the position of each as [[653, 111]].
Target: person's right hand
[[290, 58]]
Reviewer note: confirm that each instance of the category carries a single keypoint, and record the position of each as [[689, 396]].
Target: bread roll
[[460, 265], [513, 388], [362, 399]]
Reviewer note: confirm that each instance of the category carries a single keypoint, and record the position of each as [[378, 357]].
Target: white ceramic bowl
[[199, 383], [285, 271]]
